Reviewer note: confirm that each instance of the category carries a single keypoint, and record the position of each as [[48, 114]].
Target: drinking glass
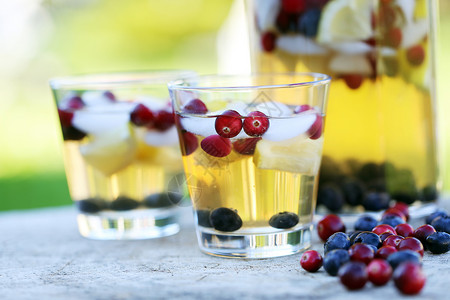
[[121, 152], [251, 150], [381, 137]]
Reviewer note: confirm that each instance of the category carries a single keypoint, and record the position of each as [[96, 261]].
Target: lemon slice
[[110, 152], [345, 20], [297, 155]]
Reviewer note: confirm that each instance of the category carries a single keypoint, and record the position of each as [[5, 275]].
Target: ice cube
[[203, 126], [407, 7], [153, 103], [281, 129], [161, 138], [298, 44], [98, 120], [266, 13], [273, 109], [351, 64], [351, 47], [93, 98], [414, 33]]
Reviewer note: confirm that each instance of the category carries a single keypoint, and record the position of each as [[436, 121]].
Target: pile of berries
[[379, 250]]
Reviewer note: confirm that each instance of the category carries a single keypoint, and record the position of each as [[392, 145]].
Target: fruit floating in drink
[[380, 143], [251, 168], [122, 160]]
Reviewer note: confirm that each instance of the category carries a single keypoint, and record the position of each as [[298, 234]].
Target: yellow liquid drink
[[380, 145], [252, 148], [122, 159]]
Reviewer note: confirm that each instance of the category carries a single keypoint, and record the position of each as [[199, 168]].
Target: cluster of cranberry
[[229, 124], [377, 255], [66, 111], [160, 120]]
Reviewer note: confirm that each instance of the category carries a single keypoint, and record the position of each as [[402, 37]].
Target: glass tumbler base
[[130, 225], [257, 245]]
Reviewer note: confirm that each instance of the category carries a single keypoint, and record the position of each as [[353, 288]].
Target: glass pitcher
[[381, 138]]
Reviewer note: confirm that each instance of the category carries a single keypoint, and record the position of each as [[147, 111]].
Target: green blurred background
[[48, 38]]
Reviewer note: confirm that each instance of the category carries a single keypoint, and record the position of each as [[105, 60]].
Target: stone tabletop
[[42, 256]]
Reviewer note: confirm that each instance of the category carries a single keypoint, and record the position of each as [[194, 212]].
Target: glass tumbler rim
[[103, 80], [180, 84]]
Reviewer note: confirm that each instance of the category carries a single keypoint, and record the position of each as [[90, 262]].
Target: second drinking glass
[[122, 159], [252, 149]]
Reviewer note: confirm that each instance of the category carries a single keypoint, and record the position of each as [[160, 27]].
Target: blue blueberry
[[438, 242], [374, 249], [365, 223], [441, 223], [352, 236], [338, 240], [334, 260], [203, 217], [395, 259], [225, 219], [124, 203], [434, 215], [71, 133], [370, 171], [369, 238], [284, 220], [90, 205], [330, 196], [376, 201], [429, 193], [353, 190], [158, 200], [404, 197], [391, 220], [309, 22]]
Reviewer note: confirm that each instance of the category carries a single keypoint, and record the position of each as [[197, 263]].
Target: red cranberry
[[65, 117], [409, 278], [422, 232], [361, 252], [394, 212], [315, 131], [216, 146], [282, 21], [379, 271], [163, 120], [256, 124], [394, 37], [110, 96], [385, 251], [415, 55], [383, 228], [329, 225], [141, 115], [384, 235], [353, 275], [387, 15], [301, 108], [228, 124], [411, 243], [75, 102], [311, 261], [190, 143], [403, 207], [404, 230], [195, 106], [246, 146], [268, 41], [293, 6], [392, 240], [353, 81]]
